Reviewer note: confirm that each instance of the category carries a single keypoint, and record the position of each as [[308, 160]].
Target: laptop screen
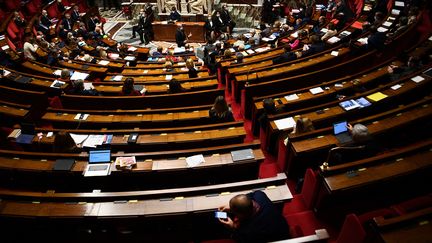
[[340, 127], [99, 156]]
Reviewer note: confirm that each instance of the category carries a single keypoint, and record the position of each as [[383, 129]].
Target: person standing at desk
[[181, 37], [174, 15]]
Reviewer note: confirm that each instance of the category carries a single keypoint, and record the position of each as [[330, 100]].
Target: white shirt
[[29, 50]]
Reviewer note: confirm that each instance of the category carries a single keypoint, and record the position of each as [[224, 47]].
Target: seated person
[[174, 15], [192, 72], [175, 86], [270, 108], [362, 146], [221, 112], [168, 66], [79, 89], [287, 56], [376, 40], [128, 88], [158, 52], [64, 143], [316, 46], [331, 31], [412, 65], [254, 218], [239, 58]]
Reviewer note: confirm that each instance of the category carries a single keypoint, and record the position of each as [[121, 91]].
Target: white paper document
[[291, 97], [382, 29], [417, 79], [334, 53], [130, 58], [387, 24], [93, 140], [78, 75], [132, 48], [399, 4], [103, 62], [168, 77], [57, 84], [285, 123], [395, 12], [79, 138], [88, 86], [332, 40], [396, 87], [81, 116], [195, 160], [6, 73], [117, 78], [316, 90]]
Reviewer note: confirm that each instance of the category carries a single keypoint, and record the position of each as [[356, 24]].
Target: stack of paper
[[395, 12], [117, 78], [291, 97], [285, 123], [417, 79], [333, 40], [382, 29], [78, 75], [103, 62], [399, 4], [316, 90], [130, 58], [79, 138], [195, 160], [168, 77], [81, 116], [57, 84], [57, 72], [132, 48], [93, 140], [387, 24]]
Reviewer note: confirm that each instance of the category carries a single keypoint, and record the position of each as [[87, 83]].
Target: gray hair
[[360, 133]]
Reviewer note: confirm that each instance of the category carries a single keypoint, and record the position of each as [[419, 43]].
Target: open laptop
[[340, 131], [99, 156]]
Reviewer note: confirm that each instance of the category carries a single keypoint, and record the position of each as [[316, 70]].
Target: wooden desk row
[[320, 145], [117, 120], [332, 111], [194, 98], [165, 141], [342, 86], [157, 173]]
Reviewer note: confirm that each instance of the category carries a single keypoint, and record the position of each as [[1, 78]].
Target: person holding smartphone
[[253, 218]]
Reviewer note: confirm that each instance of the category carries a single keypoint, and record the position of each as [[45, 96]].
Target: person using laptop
[[362, 145]]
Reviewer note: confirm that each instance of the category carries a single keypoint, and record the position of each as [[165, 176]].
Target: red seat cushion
[[306, 220]]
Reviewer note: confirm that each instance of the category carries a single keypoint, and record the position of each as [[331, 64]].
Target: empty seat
[[306, 199]]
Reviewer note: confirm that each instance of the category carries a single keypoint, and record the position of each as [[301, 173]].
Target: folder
[[64, 164], [377, 96]]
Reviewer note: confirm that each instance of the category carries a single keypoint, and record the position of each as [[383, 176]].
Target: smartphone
[[221, 215]]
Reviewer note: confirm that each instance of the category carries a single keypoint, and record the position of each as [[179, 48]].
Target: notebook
[[99, 156], [64, 164], [340, 131], [243, 154], [23, 80], [25, 139]]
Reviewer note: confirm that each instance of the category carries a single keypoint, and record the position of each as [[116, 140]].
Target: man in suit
[[67, 22], [219, 23], [209, 27], [93, 21], [181, 37], [174, 15], [144, 27], [285, 57], [75, 14], [226, 18], [44, 19]]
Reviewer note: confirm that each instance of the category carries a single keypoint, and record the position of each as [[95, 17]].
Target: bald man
[[254, 218]]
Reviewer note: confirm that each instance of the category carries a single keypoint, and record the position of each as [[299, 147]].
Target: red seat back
[[310, 188], [352, 231]]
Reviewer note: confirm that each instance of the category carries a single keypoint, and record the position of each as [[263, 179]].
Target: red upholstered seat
[[13, 27], [55, 102], [11, 44], [303, 223], [11, 34], [306, 199], [352, 231], [52, 11], [32, 9]]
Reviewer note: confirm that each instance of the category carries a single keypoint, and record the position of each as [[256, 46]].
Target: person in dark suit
[[253, 218], [67, 22], [92, 22], [285, 57], [376, 40], [75, 15], [18, 20], [174, 15], [61, 8], [181, 37], [316, 46], [209, 27], [267, 11], [44, 19], [78, 89], [226, 18], [219, 23]]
